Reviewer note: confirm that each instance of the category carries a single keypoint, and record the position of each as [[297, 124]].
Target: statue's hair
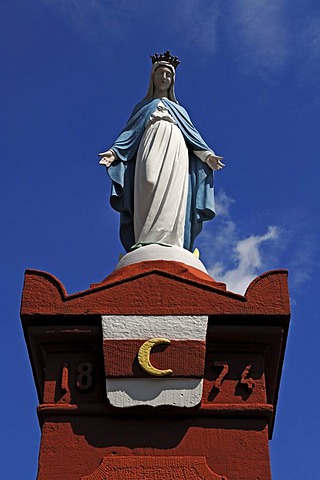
[[150, 92]]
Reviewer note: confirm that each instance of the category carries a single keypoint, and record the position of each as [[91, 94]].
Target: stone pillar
[[192, 373]]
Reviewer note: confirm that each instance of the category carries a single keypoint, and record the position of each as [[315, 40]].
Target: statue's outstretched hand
[[214, 162], [107, 158]]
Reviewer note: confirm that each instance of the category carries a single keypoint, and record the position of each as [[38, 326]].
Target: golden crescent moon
[[144, 357]]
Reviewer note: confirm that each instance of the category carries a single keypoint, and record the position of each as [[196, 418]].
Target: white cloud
[[302, 257], [258, 31], [198, 24], [223, 204], [240, 259], [248, 259], [190, 23], [262, 35], [308, 46], [235, 259], [98, 17], [313, 32]]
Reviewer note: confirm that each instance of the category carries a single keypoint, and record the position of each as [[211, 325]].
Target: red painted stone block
[[224, 437], [154, 468], [186, 359], [157, 288]]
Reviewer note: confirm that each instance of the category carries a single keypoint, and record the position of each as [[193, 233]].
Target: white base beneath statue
[[161, 252]]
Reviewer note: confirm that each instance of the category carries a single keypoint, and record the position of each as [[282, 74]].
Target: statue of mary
[[161, 169]]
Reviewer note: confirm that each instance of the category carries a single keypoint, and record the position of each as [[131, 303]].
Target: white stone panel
[[132, 392], [173, 327], [160, 252]]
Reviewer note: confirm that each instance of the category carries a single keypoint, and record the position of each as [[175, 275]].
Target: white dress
[[161, 182]]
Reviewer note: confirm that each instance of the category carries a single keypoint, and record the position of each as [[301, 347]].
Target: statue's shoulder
[[144, 104], [176, 108]]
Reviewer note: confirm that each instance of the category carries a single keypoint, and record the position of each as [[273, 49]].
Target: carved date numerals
[[63, 396], [244, 379], [84, 376], [224, 372], [65, 378]]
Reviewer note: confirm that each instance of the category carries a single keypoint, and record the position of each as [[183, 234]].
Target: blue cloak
[[200, 201]]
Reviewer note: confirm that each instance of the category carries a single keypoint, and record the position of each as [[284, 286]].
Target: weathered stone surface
[[158, 288], [154, 468], [225, 436]]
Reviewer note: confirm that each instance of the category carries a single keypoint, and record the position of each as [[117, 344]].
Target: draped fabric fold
[[199, 203]]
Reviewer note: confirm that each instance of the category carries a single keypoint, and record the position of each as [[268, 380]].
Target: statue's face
[[162, 79]]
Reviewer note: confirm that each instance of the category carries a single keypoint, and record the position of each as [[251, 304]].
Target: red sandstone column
[[210, 417]]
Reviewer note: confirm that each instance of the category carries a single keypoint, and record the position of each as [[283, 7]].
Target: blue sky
[[72, 70]]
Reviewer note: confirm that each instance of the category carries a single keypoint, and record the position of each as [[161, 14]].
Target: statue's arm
[[194, 139], [127, 143], [210, 158], [106, 158]]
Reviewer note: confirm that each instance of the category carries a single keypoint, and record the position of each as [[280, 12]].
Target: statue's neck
[[159, 94]]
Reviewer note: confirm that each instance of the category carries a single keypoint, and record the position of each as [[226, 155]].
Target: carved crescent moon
[[144, 357]]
